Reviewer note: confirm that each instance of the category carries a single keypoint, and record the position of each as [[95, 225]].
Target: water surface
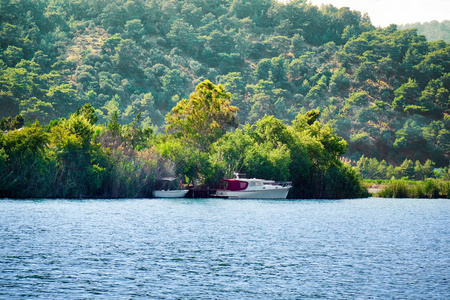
[[225, 249]]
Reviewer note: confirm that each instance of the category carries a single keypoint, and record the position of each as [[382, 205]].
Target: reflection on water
[[215, 248]]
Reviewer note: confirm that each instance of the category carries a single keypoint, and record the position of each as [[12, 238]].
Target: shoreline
[[376, 188]]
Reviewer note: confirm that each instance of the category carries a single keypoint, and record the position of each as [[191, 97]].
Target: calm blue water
[[225, 249]]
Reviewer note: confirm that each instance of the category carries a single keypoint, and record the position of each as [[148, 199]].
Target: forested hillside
[[385, 91]]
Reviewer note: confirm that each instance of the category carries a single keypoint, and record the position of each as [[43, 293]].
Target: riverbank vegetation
[[76, 157], [409, 180], [430, 188]]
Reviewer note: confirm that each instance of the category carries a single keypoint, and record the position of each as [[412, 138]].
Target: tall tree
[[205, 116], [199, 121]]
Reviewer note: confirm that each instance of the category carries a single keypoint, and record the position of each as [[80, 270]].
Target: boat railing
[[239, 175], [271, 182], [284, 183]]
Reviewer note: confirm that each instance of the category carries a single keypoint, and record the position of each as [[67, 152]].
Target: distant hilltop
[[434, 30]]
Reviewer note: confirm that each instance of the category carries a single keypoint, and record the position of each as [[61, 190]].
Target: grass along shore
[[430, 188]]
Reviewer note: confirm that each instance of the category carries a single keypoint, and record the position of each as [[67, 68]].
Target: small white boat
[[169, 193], [169, 189], [243, 188]]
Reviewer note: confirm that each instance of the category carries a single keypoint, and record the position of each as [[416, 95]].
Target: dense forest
[[385, 91]]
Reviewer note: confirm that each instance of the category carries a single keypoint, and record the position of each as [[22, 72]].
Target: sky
[[385, 12]]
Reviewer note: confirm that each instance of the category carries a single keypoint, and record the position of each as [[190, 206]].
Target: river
[[225, 249]]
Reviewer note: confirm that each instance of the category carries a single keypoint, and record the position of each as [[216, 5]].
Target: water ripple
[[186, 249]]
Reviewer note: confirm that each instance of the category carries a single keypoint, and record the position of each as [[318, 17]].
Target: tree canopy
[[204, 117]]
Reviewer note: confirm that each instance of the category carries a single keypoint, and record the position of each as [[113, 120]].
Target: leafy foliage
[[204, 117], [371, 168], [76, 158]]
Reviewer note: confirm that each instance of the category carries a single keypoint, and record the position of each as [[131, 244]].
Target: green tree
[[257, 10], [228, 152], [365, 72], [266, 161], [339, 82], [88, 112], [127, 58], [428, 169], [183, 36], [111, 44], [11, 124], [406, 95], [325, 146], [81, 163], [202, 119], [263, 69], [171, 83], [406, 169], [114, 130], [369, 168], [24, 163], [134, 29]]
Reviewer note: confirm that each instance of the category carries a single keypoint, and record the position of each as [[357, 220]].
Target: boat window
[[236, 185]]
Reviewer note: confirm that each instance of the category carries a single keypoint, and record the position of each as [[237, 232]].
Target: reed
[[395, 189], [430, 188], [444, 187]]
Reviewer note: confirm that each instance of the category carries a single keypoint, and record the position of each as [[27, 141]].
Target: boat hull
[[278, 193], [170, 194]]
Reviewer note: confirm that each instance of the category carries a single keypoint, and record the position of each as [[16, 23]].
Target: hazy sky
[[386, 12]]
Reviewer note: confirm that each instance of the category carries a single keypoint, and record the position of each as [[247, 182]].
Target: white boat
[[169, 189], [243, 188], [169, 193]]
